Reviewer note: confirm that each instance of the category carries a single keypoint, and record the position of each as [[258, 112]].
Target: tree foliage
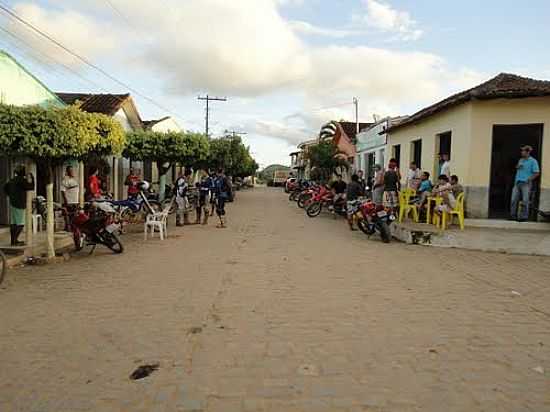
[[230, 153], [51, 136], [325, 159]]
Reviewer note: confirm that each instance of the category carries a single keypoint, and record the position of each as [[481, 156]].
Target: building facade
[[482, 129]]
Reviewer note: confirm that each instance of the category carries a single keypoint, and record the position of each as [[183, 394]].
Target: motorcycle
[[306, 196], [96, 225], [298, 189], [325, 198], [134, 209], [372, 218]]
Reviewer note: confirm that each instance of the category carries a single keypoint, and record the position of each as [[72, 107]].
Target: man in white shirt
[[445, 165], [71, 195]]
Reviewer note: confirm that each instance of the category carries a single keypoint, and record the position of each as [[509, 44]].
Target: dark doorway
[[397, 154], [417, 153], [370, 166], [507, 141]]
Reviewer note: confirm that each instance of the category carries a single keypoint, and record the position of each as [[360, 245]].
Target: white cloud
[[384, 17], [302, 27], [73, 29]]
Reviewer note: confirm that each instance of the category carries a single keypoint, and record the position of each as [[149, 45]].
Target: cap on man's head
[[527, 148]]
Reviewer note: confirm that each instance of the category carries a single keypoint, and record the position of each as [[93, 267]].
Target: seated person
[[339, 189], [424, 189], [445, 191], [456, 187]]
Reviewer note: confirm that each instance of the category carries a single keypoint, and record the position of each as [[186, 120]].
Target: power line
[[84, 60]]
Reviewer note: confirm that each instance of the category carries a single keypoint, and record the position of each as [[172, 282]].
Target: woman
[[378, 188], [16, 190]]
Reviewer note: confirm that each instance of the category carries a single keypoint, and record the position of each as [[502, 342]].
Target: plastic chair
[[158, 221], [405, 206], [458, 211], [36, 224]]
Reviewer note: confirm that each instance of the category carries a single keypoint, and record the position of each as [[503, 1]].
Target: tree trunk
[[28, 218], [81, 184], [50, 218], [162, 187]]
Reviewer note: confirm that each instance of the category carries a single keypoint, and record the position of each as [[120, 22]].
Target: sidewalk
[[484, 235], [63, 241]]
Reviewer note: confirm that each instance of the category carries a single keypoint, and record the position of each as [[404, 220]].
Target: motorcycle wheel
[[303, 199], [155, 205], [112, 242], [169, 202], [78, 239], [292, 197], [385, 232], [314, 209]]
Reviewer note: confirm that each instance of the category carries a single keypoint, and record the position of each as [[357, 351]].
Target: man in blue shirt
[[527, 171]]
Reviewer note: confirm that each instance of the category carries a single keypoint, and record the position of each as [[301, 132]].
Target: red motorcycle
[[325, 198], [96, 224], [306, 196], [372, 218]]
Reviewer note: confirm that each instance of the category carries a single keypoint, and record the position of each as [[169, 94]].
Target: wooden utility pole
[[207, 118]]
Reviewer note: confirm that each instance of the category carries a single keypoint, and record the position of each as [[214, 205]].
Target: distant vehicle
[[280, 177]]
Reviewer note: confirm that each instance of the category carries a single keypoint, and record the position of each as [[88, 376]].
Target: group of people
[[214, 190]]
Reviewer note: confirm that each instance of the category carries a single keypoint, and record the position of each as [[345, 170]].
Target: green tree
[[52, 136], [165, 149], [325, 159], [230, 153]]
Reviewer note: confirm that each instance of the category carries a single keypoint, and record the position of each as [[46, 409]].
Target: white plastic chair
[[157, 221], [36, 223]]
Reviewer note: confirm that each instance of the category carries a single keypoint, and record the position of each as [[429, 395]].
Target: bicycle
[[3, 266]]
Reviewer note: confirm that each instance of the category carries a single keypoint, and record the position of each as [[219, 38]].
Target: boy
[[204, 191], [391, 186], [457, 187], [413, 176], [181, 188], [17, 189], [445, 191], [424, 190]]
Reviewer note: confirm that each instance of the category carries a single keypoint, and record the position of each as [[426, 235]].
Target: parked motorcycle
[[372, 218], [96, 225], [325, 198]]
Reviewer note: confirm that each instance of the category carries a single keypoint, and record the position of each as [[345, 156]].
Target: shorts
[[17, 216], [391, 199], [182, 203], [220, 204]]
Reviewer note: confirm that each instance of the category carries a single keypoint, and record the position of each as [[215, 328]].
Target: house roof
[[148, 124], [350, 128], [503, 86], [107, 104]]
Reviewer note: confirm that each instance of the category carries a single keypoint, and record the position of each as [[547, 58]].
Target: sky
[[285, 66]]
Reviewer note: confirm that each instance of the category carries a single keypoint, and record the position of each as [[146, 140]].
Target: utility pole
[[208, 100], [356, 103], [235, 133]]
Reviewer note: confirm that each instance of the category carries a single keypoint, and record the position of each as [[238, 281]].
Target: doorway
[[507, 140], [416, 150]]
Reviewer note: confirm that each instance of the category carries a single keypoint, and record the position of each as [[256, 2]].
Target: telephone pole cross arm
[[209, 99]]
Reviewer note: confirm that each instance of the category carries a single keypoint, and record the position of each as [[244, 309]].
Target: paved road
[[282, 313]]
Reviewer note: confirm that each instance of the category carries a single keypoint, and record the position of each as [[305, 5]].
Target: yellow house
[[482, 130]]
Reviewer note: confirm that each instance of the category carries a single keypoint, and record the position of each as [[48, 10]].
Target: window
[[416, 152], [397, 154]]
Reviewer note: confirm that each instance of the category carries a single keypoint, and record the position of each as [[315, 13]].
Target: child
[[445, 191], [391, 186], [424, 189]]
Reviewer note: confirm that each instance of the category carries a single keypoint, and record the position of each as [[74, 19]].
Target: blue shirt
[[425, 186], [526, 168]]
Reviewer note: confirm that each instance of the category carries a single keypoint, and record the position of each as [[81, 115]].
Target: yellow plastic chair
[[458, 211], [405, 207]]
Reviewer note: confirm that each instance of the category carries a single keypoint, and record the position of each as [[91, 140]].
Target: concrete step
[[487, 239]]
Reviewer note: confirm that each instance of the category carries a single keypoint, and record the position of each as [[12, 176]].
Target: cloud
[[384, 17], [302, 27], [73, 29]]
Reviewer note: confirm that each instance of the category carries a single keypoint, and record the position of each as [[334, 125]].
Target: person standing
[[354, 191], [361, 177], [16, 190], [413, 176], [70, 191], [391, 186], [94, 184], [132, 181], [204, 191], [222, 193], [181, 189], [378, 185], [445, 168], [527, 171]]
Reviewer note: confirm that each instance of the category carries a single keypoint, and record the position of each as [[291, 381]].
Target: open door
[[507, 140]]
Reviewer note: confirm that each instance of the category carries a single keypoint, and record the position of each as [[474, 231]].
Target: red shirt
[[94, 185], [133, 186]]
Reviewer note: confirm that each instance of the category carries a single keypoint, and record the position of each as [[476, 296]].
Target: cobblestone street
[[278, 313]]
